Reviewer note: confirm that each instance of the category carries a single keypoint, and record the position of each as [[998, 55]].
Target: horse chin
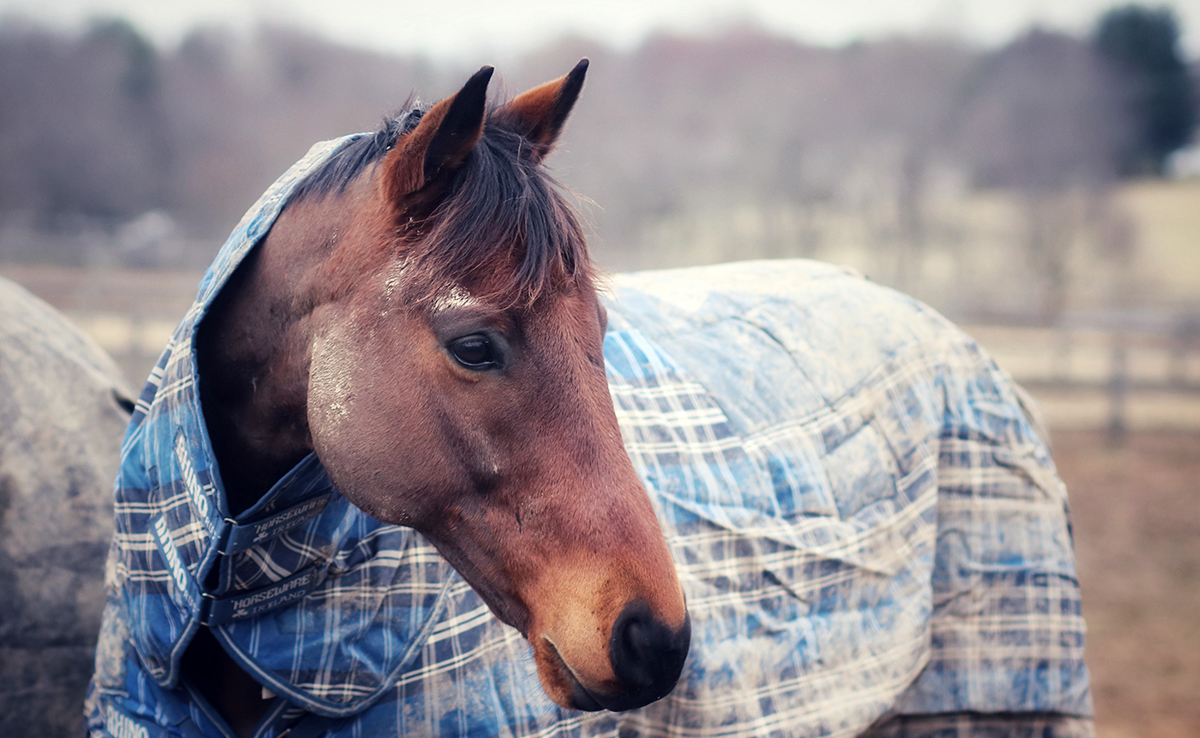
[[558, 681], [557, 678], [562, 686]]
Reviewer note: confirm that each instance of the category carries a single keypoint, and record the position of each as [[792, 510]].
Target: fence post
[[1118, 389], [1063, 345], [1178, 370]]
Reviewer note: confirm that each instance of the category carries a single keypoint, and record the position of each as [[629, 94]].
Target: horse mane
[[504, 229], [340, 169]]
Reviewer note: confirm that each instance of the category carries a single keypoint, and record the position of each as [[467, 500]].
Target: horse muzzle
[[646, 658]]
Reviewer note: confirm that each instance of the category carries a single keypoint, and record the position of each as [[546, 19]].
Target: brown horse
[[423, 316]]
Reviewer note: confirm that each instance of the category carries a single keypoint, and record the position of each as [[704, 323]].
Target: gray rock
[[63, 411]]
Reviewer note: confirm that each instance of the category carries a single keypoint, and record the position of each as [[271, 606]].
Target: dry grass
[[1137, 538]]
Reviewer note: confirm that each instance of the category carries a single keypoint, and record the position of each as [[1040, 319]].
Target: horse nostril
[[647, 655]]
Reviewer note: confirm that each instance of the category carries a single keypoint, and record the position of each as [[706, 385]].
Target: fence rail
[[1142, 365]]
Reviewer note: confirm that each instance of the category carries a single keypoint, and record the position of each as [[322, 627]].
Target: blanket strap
[[242, 536], [222, 606], [221, 610]]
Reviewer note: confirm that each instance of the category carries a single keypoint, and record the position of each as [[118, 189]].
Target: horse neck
[[253, 350]]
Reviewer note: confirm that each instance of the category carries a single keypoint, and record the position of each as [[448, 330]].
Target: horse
[[60, 438], [392, 475]]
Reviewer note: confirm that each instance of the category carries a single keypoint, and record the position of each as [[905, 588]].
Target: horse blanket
[[863, 510], [62, 408]]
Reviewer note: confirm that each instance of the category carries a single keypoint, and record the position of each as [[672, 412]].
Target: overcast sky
[[469, 29]]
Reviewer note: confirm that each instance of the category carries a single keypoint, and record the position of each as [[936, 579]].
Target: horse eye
[[474, 352]]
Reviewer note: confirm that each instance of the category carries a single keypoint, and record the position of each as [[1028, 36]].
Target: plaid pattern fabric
[[977, 725], [364, 593], [866, 521]]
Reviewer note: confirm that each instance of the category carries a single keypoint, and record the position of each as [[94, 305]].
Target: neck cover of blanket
[[336, 582], [864, 517]]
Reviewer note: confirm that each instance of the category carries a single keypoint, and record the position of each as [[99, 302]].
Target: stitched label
[[179, 573], [120, 725], [243, 536], [191, 482], [247, 605]]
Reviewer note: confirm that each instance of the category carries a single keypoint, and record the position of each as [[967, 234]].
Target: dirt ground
[[1136, 513]]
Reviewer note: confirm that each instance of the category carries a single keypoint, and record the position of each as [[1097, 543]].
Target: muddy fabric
[[362, 596], [866, 521], [60, 438]]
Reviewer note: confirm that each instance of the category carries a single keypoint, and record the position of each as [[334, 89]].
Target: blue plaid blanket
[[862, 507]]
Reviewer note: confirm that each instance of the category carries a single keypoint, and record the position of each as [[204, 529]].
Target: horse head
[[456, 384]]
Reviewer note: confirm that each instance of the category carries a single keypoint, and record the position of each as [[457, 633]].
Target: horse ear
[[539, 114], [438, 145]]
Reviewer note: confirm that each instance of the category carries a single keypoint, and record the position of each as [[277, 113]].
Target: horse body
[[59, 441], [406, 368]]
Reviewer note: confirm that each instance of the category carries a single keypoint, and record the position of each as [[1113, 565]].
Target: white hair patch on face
[[330, 383], [391, 284], [453, 296], [393, 278]]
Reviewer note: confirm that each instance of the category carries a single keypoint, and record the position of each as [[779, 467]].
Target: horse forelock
[[504, 231]]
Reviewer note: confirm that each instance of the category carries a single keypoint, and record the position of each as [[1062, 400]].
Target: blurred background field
[[1042, 189]]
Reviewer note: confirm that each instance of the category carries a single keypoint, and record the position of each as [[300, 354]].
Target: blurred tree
[[1142, 44], [1044, 117], [1040, 113], [82, 136], [736, 145], [140, 78]]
